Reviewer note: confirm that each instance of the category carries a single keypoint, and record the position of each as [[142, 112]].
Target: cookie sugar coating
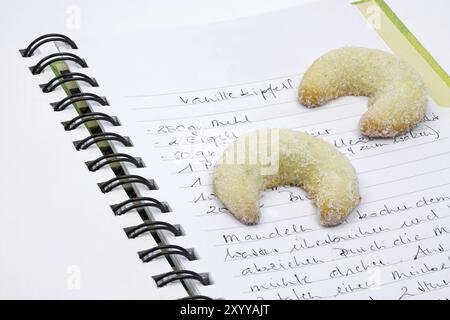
[[297, 159], [397, 94]]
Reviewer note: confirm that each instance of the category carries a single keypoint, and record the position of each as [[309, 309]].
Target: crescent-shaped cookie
[[272, 157], [397, 94]]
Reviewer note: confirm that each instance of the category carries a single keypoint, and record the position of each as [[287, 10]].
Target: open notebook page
[[183, 95], [59, 238]]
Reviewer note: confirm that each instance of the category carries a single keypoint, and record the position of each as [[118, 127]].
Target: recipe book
[[163, 105]]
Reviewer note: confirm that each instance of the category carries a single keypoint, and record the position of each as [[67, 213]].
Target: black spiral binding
[[168, 277], [104, 136], [139, 202], [78, 97], [111, 184], [102, 161], [164, 250], [51, 37], [90, 116], [132, 203], [196, 297], [57, 57], [67, 77], [150, 226]]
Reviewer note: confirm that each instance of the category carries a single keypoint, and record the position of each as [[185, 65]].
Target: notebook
[[166, 103]]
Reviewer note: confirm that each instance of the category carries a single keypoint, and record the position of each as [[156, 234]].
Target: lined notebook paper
[[58, 236], [184, 95]]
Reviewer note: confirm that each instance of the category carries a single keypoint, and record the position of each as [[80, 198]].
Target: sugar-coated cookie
[[272, 157], [397, 94]]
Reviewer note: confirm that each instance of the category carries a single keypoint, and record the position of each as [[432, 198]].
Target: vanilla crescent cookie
[[397, 94], [272, 157]]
